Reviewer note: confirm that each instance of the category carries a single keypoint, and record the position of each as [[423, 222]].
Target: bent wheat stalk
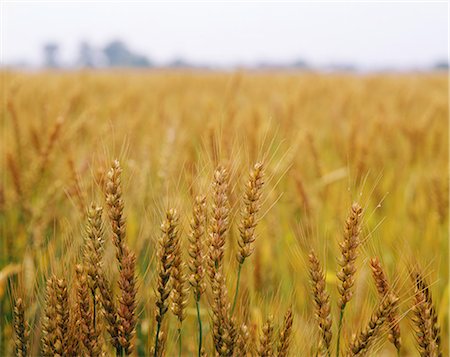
[[361, 343], [384, 289]]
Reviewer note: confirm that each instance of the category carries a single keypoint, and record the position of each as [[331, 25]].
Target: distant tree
[[299, 64], [179, 62], [51, 54], [118, 54], [86, 55], [441, 65]]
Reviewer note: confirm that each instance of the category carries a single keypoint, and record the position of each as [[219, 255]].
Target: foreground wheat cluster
[[246, 215]]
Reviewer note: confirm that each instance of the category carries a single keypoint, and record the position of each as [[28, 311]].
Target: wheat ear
[[55, 339], [93, 253], [114, 202], [346, 274], [109, 310], [362, 342], [166, 249], [197, 258], [224, 331], [90, 335], [243, 341], [249, 216], [266, 341], [126, 310], [179, 291], [425, 319], [21, 329], [321, 302], [284, 340], [384, 288]]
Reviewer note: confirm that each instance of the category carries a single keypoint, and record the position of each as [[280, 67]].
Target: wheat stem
[[200, 332], [179, 341], [237, 288], [158, 329], [341, 317]]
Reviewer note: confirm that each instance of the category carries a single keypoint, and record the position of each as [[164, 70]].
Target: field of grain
[[131, 202]]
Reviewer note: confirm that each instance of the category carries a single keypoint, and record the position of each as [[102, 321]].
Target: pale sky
[[370, 35]]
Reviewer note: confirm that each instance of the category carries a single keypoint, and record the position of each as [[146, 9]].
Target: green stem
[[236, 293], [119, 352], [341, 317], [158, 328], [200, 333], [179, 341]]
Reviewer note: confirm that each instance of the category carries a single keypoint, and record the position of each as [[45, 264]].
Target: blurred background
[[401, 36]]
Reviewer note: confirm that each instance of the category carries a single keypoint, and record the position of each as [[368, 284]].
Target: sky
[[367, 34]]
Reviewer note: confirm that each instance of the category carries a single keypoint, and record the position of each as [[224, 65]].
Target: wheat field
[[287, 212]]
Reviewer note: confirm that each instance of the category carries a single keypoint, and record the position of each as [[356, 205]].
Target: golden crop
[[323, 141]]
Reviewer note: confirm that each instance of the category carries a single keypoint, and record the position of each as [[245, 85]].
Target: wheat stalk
[[94, 247], [224, 331], [166, 249], [266, 341], [21, 329], [384, 289], [90, 335], [243, 341], [321, 302], [249, 216], [126, 310], [284, 339], [109, 310], [219, 220], [361, 343], [179, 291], [425, 319], [55, 338], [114, 202], [197, 258], [349, 252]]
